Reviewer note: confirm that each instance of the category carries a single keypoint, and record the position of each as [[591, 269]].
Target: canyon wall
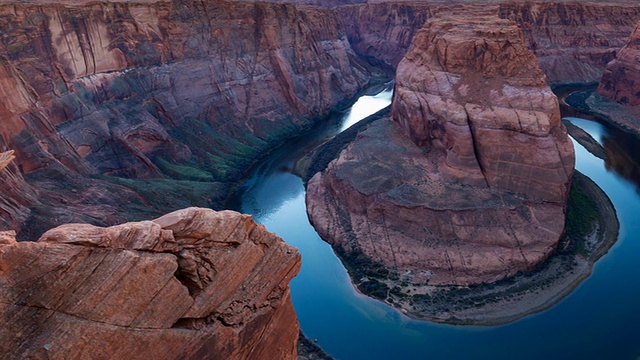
[[194, 283], [16, 196], [469, 180], [572, 41], [188, 91], [621, 79]]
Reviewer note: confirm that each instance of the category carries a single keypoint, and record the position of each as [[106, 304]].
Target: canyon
[[573, 41], [115, 112], [468, 180], [179, 97], [123, 111], [620, 80]]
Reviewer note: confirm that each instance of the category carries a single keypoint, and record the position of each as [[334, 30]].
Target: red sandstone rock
[[194, 283], [192, 91], [473, 95], [16, 196], [621, 79], [116, 78], [572, 41], [470, 183]]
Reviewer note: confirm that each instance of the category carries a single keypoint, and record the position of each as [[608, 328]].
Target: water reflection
[[599, 320], [623, 154], [622, 148], [367, 105]]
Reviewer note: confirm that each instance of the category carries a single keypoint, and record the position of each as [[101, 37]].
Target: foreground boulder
[[194, 283], [469, 180], [621, 79]]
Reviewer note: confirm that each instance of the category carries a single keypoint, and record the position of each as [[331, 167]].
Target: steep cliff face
[[572, 41], [384, 31], [192, 91], [16, 196], [476, 99], [191, 284], [471, 177], [621, 79]]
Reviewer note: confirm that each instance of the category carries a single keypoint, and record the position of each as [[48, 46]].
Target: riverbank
[[309, 350], [589, 102], [586, 140], [592, 228]]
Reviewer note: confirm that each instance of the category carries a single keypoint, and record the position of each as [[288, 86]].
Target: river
[[598, 320]]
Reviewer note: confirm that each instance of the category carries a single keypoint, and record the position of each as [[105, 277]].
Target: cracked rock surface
[[468, 181], [194, 283]]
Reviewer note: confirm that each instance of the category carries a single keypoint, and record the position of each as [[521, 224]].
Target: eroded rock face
[[475, 98], [621, 79], [16, 196], [572, 41], [194, 283], [469, 182], [188, 91]]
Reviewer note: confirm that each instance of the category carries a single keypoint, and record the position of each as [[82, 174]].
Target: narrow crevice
[[476, 150]]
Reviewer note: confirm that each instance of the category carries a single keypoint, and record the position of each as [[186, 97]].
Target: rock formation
[[469, 182], [621, 79], [572, 41], [16, 196], [194, 283], [187, 91]]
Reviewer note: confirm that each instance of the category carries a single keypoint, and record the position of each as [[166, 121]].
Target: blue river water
[[598, 320]]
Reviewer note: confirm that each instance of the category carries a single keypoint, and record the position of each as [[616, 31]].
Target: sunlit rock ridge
[[192, 284]]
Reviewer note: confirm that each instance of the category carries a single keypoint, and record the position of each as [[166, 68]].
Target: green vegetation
[[164, 195], [581, 219], [366, 274], [181, 172], [591, 228]]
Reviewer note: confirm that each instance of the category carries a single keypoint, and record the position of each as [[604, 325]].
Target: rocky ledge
[[194, 283], [468, 182]]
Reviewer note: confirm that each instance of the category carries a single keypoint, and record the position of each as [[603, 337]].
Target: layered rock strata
[[469, 182], [572, 41], [194, 283], [16, 196], [188, 91], [621, 79]]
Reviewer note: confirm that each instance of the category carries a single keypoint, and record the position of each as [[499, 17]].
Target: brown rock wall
[[233, 67], [469, 182], [16, 196], [473, 92], [188, 91], [139, 290], [620, 81], [573, 41]]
